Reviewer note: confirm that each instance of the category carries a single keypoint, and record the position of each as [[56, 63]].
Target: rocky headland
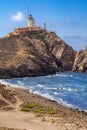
[[34, 54], [38, 53]]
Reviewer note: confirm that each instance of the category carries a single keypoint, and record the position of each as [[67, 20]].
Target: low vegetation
[[38, 109], [38, 35], [53, 121]]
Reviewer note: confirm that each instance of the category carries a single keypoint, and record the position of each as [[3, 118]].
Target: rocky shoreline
[[13, 98]]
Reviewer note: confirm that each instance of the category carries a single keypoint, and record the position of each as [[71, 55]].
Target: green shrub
[[40, 110], [53, 121], [37, 108], [38, 35], [51, 111], [24, 109], [31, 105]]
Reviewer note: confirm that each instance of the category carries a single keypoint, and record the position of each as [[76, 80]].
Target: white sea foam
[[55, 93], [46, 95], [68, 89], [71, 75], [60, 101], [62, 75], [10, 84], [64, 103], [31, 90], [4, 82], [72, 90], [48, 76], [58, 75], [50, 88], [19, 82], [40, 85]]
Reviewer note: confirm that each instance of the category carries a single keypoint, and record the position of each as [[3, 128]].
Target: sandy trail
[[23, 120]]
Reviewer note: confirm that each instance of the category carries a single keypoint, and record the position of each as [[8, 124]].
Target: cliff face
[[34, 54], [63, 53], [80, 63]]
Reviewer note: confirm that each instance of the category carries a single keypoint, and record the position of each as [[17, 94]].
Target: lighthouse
[[31, 21], [31, 27]]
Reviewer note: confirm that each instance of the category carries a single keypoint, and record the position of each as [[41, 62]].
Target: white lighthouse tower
[[31, 21]]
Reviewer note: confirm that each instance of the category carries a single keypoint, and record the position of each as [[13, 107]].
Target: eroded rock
[[80, 63]]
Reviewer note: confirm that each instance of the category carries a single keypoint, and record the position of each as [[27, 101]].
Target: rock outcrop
[[7, 97], [63, 53], [80, 63], [34, 54]]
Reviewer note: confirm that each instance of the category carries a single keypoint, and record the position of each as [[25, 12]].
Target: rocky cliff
[[34, 54], [80, 63]]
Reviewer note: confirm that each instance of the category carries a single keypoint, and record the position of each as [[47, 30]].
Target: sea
[[67, 88]]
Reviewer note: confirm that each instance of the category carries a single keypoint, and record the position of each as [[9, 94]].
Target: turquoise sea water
[[69, 88]]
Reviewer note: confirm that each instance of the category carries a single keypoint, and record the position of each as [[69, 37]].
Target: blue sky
[[68, 18]]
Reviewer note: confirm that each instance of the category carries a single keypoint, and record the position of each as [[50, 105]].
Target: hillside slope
[[34, 54]]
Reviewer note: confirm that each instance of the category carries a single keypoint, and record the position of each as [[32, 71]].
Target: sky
[[68, 18]]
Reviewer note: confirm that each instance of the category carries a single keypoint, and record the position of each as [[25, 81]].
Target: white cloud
[[17, 17]]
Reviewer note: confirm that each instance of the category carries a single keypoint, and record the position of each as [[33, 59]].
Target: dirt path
[[23, 120], [18, 104]]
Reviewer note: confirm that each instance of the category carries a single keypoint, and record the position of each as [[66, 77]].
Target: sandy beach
[[12, 100]]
